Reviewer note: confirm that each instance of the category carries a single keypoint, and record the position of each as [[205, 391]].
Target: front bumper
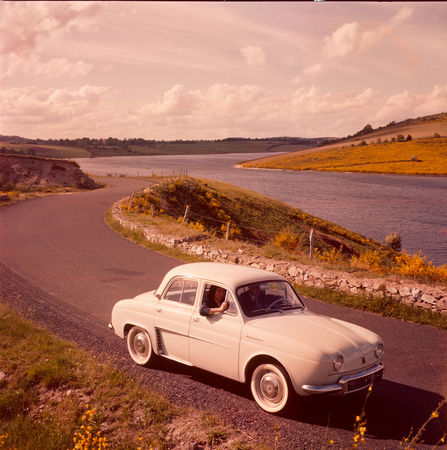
[[349, 383]]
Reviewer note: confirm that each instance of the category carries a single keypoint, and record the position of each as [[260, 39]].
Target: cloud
[[314, 70], [30, 105], [407, 104], [55, 67], [350, 41], [404, 13], [253, 55], [23, 24]]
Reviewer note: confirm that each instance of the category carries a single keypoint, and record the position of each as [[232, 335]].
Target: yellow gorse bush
[[287, 239], [414, 267], [417, 267], [370, 261], [86, 438]]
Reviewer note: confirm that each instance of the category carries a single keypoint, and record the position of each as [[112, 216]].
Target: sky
[[212, 70]]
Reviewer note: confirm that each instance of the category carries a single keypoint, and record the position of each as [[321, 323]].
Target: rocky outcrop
[[38, 172], [418, 295]]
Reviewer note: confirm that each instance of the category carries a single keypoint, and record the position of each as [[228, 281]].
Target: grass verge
[[56, 396]]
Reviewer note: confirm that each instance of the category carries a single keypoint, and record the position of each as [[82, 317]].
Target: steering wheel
[[280, 300]]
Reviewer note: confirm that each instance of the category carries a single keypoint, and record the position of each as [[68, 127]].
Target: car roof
[[230, 274]]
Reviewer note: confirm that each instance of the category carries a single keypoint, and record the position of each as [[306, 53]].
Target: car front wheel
[[270, 387], [139, 346]]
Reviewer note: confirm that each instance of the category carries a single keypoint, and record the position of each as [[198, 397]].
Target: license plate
[[359, 383]]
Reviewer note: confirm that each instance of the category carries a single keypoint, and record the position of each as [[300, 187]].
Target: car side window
[[232, 309], [189, 292], [182, 291]]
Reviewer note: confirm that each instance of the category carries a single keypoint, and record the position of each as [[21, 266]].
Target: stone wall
[[419, 295]]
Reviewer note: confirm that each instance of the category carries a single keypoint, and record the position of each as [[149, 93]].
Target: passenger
[[215, 302]]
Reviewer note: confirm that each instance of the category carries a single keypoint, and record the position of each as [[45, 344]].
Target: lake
[[373, 205]]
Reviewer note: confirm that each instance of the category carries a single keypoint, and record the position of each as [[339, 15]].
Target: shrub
[[371, 261], [393, 240], [287, 239], [436, 135]]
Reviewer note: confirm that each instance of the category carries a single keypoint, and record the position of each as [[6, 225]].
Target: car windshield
[[268, 297]]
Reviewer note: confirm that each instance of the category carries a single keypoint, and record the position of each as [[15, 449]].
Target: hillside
[[31, 173], [254, 218], [94, 148], [405, 148]]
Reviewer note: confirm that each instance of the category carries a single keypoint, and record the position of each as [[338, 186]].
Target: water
[[370, 204]]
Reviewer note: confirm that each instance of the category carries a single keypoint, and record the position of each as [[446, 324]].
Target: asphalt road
[[63, 267]]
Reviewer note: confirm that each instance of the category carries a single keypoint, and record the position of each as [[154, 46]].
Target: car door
[[172, 318], [214, 339]]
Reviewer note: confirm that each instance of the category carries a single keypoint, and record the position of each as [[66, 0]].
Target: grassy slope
[[258, 217], [393, 158], [380, 158]]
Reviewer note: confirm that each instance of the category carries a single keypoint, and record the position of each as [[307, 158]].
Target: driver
[[254, 298]]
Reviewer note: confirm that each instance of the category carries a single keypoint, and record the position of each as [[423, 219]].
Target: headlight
[[338, 362], [378, 351]]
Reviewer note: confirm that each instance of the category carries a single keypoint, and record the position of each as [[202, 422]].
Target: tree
[[379, 141], [400, 138], [409, 138]]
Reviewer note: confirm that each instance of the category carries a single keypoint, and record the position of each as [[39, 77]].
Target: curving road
[[63, 267]]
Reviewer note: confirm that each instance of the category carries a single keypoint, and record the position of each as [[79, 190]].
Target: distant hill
[[387, 149]]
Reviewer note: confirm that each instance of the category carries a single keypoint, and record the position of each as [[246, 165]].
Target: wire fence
[[229, 228]]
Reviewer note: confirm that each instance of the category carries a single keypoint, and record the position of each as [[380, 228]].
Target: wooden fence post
[[186, 214], [312, 243], [152, 210], [228, 231], [131, 199]]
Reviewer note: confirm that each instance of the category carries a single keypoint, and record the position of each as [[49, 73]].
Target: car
[[278, 347]]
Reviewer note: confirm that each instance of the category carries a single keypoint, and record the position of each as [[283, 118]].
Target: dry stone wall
[[419, 295]]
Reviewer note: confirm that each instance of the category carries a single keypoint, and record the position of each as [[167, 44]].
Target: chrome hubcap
[[140, 344], [270, 387]]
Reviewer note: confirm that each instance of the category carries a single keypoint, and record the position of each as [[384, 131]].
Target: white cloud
[[313, 70], [32, 65], [253, 55], [49, 106], [407, 104], [404, 13], [23, 24], [349, 40]]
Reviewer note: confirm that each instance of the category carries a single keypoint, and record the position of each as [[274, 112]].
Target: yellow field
[[416, 157]]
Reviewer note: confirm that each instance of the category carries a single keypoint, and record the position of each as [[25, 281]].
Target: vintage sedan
[[273, 343]]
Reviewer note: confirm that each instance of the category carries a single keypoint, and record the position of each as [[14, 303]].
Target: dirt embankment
[[37, 172]]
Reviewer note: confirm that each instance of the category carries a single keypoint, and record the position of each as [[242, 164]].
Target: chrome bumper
[[349, 383]]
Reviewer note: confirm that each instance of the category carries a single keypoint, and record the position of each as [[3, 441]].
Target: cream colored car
[[273, 343]]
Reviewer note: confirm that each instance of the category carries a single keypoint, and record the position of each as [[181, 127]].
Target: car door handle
[[197, 320], [159, 310]]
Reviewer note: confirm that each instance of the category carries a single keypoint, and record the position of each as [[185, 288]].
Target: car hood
[[330, 336]]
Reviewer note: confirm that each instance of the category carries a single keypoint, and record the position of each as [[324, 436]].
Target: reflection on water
[[373, 205]]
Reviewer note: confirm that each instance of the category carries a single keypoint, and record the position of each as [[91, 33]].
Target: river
[[373, 205]]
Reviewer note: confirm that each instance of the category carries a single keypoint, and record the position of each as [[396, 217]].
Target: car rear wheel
[[139, 346], [270, 386]]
